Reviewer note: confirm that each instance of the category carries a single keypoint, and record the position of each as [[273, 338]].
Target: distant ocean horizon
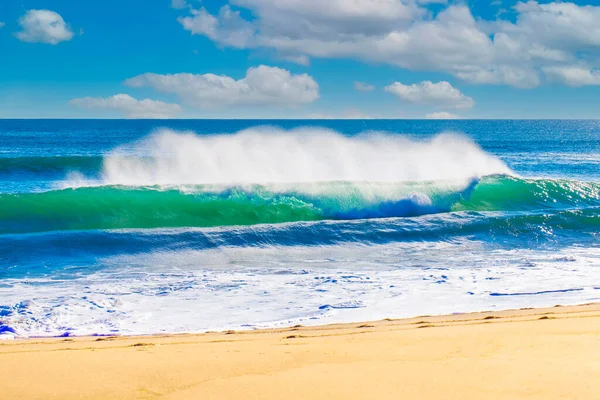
[[164, 226], [270, 120]]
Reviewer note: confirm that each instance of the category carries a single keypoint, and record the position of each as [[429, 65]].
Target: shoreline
[[282, 327], [540, 353], [442, 319]]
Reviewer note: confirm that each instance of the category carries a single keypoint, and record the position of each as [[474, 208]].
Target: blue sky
[[299, 59]]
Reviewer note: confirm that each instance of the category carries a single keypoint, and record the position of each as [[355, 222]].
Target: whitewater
[[135, 228]]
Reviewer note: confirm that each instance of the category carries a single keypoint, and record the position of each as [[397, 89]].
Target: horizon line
[[298, 119]]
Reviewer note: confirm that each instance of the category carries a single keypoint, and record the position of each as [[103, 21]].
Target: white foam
[[270, 155], [245, 288]]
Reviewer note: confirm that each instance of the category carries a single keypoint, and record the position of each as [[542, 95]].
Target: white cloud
[[298, 59], [573, 75], [442, 115], [441, 94], [336, 12], [130, 107], [2, 24], [363, 87], [525, 78], [178, 4], [262, 85], [406, 34], [43, 26], [560, 26], [397, 34], [227, 29]]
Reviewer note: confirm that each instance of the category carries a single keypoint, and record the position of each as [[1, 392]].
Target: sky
[[299, 59]]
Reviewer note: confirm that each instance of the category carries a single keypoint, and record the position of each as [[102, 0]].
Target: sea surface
[[140, 227]]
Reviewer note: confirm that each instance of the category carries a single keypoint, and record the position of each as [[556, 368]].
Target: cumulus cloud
[[442, 115], [262, 85], [405, 34], [441, 94], [228, 28], [556, 26], [363, 87], [575, 76], [340, 13], [43, 26], [129, 106]]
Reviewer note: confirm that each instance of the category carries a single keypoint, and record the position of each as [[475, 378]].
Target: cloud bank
[[440, 94], [523, 52], [129, 106], [262, 85]]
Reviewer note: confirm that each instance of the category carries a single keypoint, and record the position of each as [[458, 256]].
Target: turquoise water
[[142, 226]]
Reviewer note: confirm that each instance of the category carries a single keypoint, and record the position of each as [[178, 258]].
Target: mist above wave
[[272, 155]]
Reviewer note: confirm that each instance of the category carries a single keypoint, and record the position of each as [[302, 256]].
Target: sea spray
[[270, 155]]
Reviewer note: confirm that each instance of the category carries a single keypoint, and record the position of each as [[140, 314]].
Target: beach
[[527, 353]]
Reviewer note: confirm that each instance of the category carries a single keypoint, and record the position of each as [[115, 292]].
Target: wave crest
[[270, 155]]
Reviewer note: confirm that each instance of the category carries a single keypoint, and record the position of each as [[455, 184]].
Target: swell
[[118, 207], [59, 165]]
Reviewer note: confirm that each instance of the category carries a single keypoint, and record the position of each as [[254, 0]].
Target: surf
[[269, 176]]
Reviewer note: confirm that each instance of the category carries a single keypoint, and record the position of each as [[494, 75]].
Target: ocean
[[141, 227]]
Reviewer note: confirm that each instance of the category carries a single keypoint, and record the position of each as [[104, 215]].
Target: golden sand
[[530, 354]]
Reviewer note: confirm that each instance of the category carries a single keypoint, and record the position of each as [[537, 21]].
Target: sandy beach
[[527, 353]]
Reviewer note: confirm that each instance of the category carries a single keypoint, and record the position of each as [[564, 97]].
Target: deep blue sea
[[138, 226]]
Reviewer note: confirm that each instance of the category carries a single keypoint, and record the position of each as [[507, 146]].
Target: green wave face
[[111, 207], [504, 193], [114, 208]]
